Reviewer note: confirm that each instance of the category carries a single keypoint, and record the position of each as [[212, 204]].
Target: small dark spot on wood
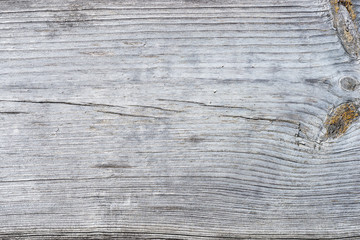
[[195, 139], [40, 123], [111, 165], [312, 80], [349, 84], [261, 81]]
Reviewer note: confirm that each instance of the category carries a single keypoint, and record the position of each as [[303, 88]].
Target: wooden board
[[193, 119]]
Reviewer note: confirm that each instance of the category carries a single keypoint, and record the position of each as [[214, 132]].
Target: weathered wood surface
[[176, 119]]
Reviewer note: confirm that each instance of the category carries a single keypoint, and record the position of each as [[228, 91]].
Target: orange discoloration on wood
[[348, 4], [341, 119]]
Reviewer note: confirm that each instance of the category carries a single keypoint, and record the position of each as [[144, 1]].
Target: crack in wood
[[14, 113], [157, 108], [111, 165], [131, 115], [263, 119], [203, 104], [63, 102]]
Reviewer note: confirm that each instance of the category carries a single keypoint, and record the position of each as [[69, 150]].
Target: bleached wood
[[174, 119]]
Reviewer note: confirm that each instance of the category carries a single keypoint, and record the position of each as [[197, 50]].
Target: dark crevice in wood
[[131, 115], [14, 113], [157, 108], [203, 104], [111, 165], [263, 119], [63, 102]]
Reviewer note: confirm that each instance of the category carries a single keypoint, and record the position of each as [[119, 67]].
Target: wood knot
[[346, 3], [344, 18], [340, 119], [349, 84]]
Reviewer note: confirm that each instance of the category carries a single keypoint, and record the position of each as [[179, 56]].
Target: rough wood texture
[[176, 119]]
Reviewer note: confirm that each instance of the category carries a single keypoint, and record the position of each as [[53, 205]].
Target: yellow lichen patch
[[335, 3], [348, 4], [341, 119]]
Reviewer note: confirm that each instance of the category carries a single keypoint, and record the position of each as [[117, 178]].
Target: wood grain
[[193, 119]]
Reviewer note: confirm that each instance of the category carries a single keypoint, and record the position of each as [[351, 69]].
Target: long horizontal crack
[[157, 108], [262, 119], [63, 102], [130, 115], [14, 113], [203, 104]]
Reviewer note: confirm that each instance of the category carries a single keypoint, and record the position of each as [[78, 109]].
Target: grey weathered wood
[[174, 119]]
